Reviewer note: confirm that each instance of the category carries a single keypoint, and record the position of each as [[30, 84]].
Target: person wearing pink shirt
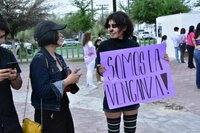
[[190, 47]]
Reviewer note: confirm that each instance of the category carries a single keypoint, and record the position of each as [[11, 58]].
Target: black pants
[[15, 131], [190, 50], [56, 121], [182, 51], [18, 130]]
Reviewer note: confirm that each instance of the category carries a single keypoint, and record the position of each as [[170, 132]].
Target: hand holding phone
[[4, 74], [77, 70]]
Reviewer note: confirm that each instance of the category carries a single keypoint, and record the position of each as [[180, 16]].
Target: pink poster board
[[136, 75]]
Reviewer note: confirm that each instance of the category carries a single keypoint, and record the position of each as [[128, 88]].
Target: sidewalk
[[180, 114]]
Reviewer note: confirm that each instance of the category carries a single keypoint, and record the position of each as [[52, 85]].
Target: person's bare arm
[[100, 69], [166, 57]]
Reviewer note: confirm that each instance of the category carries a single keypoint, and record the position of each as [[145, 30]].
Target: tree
[[197, 4], [148, 10], [23, 14], [82, 19], [123, 7], [175, 6]]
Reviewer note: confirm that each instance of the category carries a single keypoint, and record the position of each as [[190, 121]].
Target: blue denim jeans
[[197, 61], [177, 49]]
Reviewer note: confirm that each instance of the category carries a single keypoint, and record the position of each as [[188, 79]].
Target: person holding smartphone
[[9, 77], [49, 77]]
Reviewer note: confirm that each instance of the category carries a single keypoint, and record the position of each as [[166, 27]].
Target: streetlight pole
[[114, 6], [128, 7], [92, 10]]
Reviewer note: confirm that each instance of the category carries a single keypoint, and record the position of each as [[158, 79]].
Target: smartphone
[[78, 69], [11, 65]]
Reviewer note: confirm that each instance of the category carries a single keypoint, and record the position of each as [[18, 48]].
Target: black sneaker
[[191, 67]]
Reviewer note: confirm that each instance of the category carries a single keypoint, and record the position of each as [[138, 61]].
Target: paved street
[[180, 114]]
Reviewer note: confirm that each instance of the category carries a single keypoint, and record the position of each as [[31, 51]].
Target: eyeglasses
[[2, 36], [112, 25]]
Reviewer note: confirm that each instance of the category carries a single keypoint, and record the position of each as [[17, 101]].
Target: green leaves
[[148, 10], [79, 22], [82, 19], [23, 14]]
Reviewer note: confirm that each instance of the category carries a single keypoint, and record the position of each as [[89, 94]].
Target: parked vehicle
[[26, 45], [137, 32], [70, 41], [144, 35], [6, 46]]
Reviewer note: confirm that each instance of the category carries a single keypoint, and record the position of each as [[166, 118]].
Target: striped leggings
[[129, 124]]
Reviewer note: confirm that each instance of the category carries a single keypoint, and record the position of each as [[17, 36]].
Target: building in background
[[165, 26]]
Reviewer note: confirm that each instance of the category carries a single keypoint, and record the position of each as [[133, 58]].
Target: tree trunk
[[13, 45]]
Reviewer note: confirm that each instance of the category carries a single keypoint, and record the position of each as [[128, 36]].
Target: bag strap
[[26, 102], [47, 64]]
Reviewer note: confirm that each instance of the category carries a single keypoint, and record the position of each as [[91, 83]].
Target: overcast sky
[[64, 6]]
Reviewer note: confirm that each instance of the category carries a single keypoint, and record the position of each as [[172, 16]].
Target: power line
[[92, 7], [103, 7]]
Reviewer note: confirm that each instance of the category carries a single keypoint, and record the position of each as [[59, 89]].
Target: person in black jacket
[[49, 77], [9, 122]]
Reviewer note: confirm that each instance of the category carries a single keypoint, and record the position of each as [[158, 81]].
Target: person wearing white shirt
[[89, 57], [175, 39]]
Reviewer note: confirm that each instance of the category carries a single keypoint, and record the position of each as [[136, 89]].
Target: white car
[[27, 45], [6, 46], [144, 35], [70, 41]]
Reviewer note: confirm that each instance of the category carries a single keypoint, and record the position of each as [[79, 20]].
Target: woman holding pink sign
[[120, 29]]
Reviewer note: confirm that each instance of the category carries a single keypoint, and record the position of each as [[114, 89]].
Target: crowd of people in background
[[189, 41], [181, 42]]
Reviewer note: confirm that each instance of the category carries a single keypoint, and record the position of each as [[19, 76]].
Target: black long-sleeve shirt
[[115, 44]]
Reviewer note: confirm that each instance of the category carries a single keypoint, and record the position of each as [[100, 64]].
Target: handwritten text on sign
[[136, 75]]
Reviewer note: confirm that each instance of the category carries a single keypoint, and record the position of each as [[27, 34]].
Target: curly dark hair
[[123, 21], [4, 25]]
